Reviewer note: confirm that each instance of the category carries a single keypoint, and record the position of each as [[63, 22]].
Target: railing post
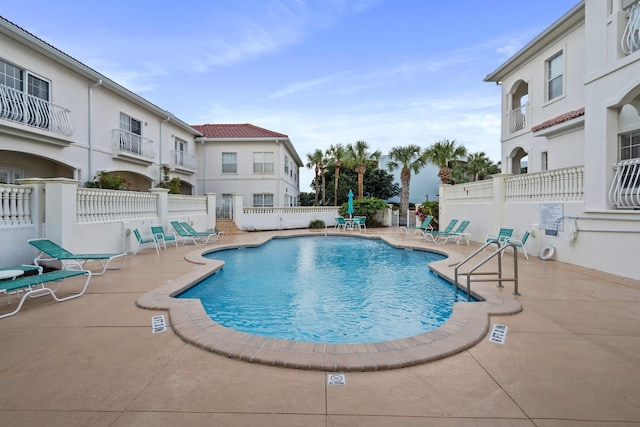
[[60, 209], [237, 213], [211, 210], [162, 205]]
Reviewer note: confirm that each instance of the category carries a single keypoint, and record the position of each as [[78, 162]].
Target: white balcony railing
[[183, 160], [517, 119], [14, 205], [630, 41], [625, 188], [99, 205], [125, 142], [18, 107], [565, 184]]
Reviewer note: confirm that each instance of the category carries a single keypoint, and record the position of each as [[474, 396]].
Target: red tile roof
[[558, 119], [244, 130]]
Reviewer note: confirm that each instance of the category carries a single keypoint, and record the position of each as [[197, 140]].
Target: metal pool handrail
[[499, 279]]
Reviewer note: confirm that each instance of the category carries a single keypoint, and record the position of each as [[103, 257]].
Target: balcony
[[133, 147], [630, 41], [183, 161], [625, 187], [18, 107], [517, 119]]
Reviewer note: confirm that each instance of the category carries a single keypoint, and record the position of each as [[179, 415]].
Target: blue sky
[[390, 72]]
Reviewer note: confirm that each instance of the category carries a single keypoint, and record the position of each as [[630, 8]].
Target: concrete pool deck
[[571, 357]]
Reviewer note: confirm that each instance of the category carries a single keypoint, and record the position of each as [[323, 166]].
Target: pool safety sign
[[158, 324], [498, 333], [336, 379]]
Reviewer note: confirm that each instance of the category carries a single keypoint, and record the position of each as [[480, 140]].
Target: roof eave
[[24, 37], [567, 22]]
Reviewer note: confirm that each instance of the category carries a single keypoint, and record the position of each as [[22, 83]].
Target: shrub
[[368, 206], [316, 223], [108, 181]]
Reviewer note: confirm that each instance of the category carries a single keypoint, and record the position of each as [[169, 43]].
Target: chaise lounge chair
[[146, 240], [51, 251], [431, 235], [425, 226], [198, 238], [217, 234], [458, 235], [29, 284]]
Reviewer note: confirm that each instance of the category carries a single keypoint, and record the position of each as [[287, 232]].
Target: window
[[263, 162], [229, 162], [13, 102], [625, 187], [181, 149], [130, 134], [555, 75], [630, 145], [544, 161], [630, 150], [10, 175], [286, 165], [262, 200]]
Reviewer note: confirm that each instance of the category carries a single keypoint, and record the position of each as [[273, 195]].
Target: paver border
[[468, 324]]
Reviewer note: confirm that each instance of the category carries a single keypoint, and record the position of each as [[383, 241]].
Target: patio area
[[571, 357]]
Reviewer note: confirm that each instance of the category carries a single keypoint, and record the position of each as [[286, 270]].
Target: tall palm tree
[[441, 154], [317, 161], [360, 157], [477, 164], [337, 154], [412, 159]]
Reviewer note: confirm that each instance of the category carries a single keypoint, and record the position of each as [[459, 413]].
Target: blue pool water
[[327, 289]]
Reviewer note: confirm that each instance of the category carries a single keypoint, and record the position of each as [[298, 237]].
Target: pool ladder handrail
[[498, 252]]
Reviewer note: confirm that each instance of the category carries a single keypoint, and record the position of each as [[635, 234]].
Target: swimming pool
[[327, 290]]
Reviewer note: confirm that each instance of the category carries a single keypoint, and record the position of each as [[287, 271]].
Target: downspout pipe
[[160, 148], [89, 129]]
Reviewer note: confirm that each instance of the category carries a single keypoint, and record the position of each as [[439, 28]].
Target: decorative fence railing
[[630, 40], [183, 160], [98, 205], [518, 119], [19, 107], [565, 184], [470, 192], [125, 142], [288, 210], [14, 205], [181, 205], [625, 188]]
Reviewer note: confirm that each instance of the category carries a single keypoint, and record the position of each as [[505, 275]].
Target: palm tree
[[360, 157], [441, 154], [412, 159], [317, 161], [337, 154], [477, 164]]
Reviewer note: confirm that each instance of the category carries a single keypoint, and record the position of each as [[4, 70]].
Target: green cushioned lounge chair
[[33, 286], [50, 251]]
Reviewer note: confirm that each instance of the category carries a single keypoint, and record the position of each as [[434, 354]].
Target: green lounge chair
[[519, 243], [146, 240], [33, 286], [164, 237], [52, 251], [425, 226], [503, 234], [431, 235], [458, 235], [217, 234], [198, 238], [360, 222]]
